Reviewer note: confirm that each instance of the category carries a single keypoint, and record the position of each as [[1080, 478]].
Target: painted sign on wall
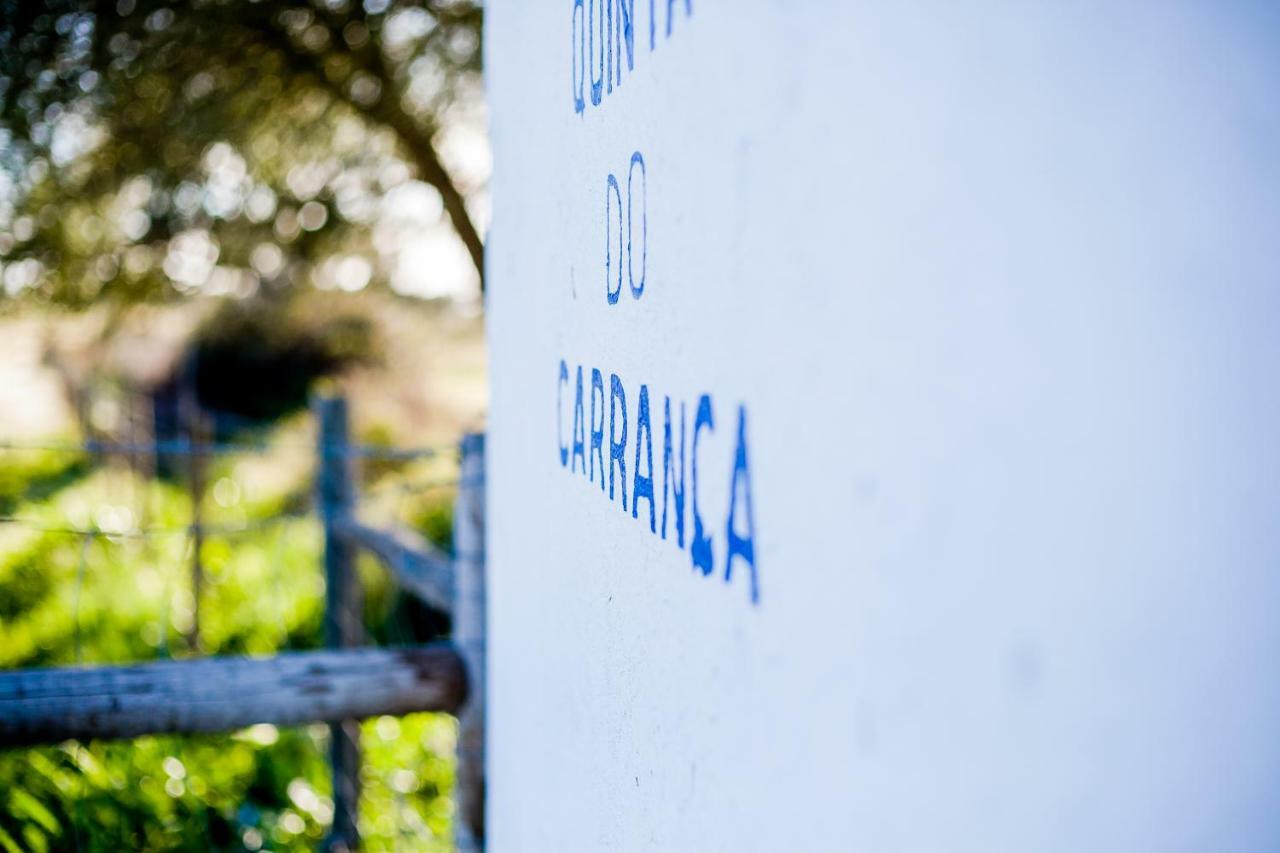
[[883, 447]]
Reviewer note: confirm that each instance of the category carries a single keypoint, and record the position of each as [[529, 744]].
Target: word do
[[636, 177]]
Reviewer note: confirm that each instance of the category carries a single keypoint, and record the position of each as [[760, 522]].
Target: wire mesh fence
[[105, 536]]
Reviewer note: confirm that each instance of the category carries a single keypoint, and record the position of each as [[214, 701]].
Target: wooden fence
[[340, 686]]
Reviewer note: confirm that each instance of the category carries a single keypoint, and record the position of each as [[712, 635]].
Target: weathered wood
[[418, 566], [221, 694], [343, 625], [469, 635]]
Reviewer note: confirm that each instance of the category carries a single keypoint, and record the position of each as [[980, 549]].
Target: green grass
[[68, 598]]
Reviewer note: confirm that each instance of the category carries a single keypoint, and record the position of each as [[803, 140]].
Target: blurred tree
[[154, 149]]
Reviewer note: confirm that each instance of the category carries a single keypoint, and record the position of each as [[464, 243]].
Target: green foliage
[[26, 579], [33, 474], [433, 515], [117, 597], [150, 149], [408, 777], [260, 788]]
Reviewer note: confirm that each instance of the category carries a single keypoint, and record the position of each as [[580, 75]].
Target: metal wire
[[185, 447], [401, 489], [145, 532], [75, 607], [277, 586]]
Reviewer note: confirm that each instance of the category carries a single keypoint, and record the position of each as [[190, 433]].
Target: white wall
[[997, 287]]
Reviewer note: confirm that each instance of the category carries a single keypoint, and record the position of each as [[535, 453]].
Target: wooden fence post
[[469, 637], [343, 626]]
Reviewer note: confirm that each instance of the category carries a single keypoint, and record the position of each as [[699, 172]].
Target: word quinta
[[584, 448], [637, 184], [601, 29]]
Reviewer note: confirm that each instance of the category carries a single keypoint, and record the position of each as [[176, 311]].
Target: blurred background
[[211, 212]]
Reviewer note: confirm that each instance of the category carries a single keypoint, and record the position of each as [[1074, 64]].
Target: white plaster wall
[[998, 286]]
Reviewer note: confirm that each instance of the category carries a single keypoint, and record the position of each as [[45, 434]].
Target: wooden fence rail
[[420, 568], [222, 694]]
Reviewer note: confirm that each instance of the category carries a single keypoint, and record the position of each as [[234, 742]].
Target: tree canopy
[[151, 149]]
